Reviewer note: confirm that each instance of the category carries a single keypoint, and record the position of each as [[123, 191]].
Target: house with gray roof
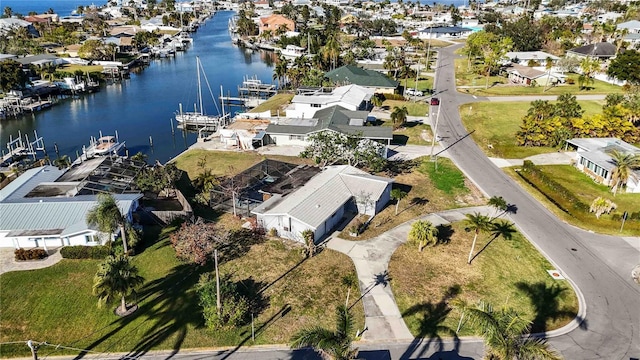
[[601, 50], [593, 157], [295, 131], [350, 74], [323, 202], [39, 210]]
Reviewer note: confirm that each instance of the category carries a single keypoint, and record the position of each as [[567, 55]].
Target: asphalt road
[[599, 265]]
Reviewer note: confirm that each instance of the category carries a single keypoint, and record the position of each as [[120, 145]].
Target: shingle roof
[[355, 75], [338, 119], [601, 49], [324, 194]]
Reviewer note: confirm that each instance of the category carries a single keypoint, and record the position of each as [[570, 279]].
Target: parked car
[[435, 101], [413, 92]]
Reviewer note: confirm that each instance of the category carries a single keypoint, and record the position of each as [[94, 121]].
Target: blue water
[[143, 105]]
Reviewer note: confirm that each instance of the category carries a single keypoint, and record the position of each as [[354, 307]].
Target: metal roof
[[28, 181], [324, 194]]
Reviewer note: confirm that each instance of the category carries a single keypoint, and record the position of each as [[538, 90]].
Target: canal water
[[142, 107]]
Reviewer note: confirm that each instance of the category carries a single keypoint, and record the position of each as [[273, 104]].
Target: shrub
[[393, 96], [85, 252], [561, 195], [30, 254], [571, 81]]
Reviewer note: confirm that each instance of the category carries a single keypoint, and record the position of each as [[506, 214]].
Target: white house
[[323, 201], [524, 57], [351, 97], [37, 211], [593, 158]]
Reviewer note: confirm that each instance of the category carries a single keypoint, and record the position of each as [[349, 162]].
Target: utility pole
[[34, 349]]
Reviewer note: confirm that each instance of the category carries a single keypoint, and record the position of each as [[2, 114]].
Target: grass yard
[[586, 190], [58, 306], [598, 87], [414, 108], [424, 83], [425, 194], [275, 103], [496, 123], [466, 77], [411, 134], [72, 68], [507, 273]]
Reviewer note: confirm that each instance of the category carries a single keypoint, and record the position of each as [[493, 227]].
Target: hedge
[[85, 252], [30, 254]]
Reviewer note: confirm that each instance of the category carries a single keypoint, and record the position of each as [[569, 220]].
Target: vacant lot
[[507, 273], [276, 104], [57, 305], [496, 124], [586, 190], [414, 108]]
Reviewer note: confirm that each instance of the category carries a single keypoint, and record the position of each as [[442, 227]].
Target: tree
[[158, 178], [625, 164], [423, 232], [12, 76], [548, 65], [62, 162], [92, 50], [626, 67], [335, 344], [397, 195], [601, 206], [350, 281], [589, 67], [329, 147], [477, 223], [234, 306], [116, 277], [399, 116], [195, 243], [499, 204], [107, 217], [309, 242], [505, 334]]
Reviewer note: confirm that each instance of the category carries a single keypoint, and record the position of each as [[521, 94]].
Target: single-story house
[[323, 201], [295, 131], [633, 26], [444, 32], [38, 211], [274, 22], [524, 57], [601, 50], [351, 97], [349, 74], [525, 75], [593, 158]]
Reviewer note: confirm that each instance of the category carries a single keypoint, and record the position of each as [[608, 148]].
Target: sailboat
[[197, 117]]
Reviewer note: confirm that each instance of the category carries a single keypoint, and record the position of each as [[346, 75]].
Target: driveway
[[8, 262]]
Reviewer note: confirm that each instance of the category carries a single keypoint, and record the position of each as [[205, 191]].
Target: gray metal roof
[[324, 194], [595, 144], [50, 215], [28, 181]]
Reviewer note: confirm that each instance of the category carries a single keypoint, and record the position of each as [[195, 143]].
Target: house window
[[297, 137], [91, 239], [315, 105], [605, 173]]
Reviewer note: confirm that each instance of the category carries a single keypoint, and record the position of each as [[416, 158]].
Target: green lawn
[[57, 305], [466, 77], [414, 108], [72, 68], [275, 103], [496, 123], [411, 134], [586, 190], [507, 273], [424, 83], [598, 87]]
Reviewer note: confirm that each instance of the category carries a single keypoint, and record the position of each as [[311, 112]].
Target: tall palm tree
[[107, 217], [499, 204], [477, 223], [399, 116], [116, 277], [335, 344], [350, 281], [505, 334], [625, 164], [424, 233]]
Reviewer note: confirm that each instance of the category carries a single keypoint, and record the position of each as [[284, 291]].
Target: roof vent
[[317, 206]]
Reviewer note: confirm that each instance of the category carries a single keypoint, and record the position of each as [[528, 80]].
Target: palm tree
[[397, 195], [625, 164], [399, 116], [477, 223], [107, 217], [548, 65], [505, 334], [280, 71], [498, 203], [116, 277], [424, 233], [335, 344], [62, 162], [350, 281]]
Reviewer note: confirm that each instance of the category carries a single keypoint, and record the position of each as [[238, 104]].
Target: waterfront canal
[[142, 106]]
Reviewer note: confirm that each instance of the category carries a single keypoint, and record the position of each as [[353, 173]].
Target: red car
[[435, 101]]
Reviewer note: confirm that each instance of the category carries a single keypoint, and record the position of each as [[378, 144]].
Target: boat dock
[[21, 147]]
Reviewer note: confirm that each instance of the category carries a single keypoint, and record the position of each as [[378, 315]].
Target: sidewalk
[[556, 158], [383, 319], [8, 262]]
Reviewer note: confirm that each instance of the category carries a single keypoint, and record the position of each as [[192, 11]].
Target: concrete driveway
[[8, 262]]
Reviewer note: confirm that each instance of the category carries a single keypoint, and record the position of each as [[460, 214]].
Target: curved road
[[598, 265]]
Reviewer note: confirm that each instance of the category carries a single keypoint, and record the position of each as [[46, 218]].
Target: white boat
[[104, 145], [292, 51], [198, 117]]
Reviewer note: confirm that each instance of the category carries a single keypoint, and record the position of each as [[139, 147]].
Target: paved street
[[598, 265]]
